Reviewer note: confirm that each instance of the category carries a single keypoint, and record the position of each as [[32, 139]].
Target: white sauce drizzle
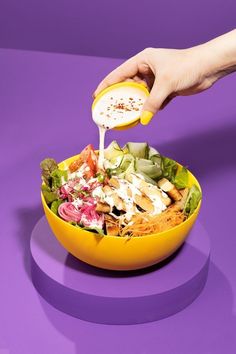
[[157, 202], [118, 106], [102, 133]]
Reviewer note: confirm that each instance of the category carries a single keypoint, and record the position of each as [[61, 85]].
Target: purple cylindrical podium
[[115, 297]]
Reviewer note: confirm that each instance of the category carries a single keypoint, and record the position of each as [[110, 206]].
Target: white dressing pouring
[[121, 105]]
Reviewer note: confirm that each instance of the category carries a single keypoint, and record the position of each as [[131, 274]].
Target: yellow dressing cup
[[133, 122]]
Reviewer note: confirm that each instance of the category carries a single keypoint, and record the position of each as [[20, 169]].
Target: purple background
[[45, 104], [45, 111], [111, 28]]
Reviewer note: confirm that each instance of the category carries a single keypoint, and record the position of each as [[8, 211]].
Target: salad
[[138, 192]]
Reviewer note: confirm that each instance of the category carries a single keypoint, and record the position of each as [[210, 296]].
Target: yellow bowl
[[131, 123], [119, 253]]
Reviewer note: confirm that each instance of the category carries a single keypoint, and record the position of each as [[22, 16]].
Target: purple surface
[[110, 297], [55, 261], [45, 111], [113, 29]]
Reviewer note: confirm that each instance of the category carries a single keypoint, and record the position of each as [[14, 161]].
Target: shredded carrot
[[146, 224]]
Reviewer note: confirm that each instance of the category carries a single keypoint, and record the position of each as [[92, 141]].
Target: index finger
[[126, 70]]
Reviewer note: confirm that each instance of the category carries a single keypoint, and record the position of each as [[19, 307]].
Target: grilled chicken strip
[[126, 189], [112, 198], [148, 189]]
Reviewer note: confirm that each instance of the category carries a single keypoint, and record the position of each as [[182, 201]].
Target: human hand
[[172, 72]]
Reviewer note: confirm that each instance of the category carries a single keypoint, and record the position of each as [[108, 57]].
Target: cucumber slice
[[113, 163], [152, 152], [143, 163], [151, 171], [130, 169], [126, 161], [116, 161], [140, 150], [113, 150], [156, 159], [147, 178], [134, 157], [115, 171], [148, 167]]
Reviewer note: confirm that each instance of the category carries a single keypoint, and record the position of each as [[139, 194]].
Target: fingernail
[[146, 117]]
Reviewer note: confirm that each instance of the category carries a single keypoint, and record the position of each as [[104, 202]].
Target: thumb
[[153, 102]]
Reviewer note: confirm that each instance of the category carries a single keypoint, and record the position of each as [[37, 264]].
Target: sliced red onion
[[89, 201], [64, 191], [69, 212], [90, 217]]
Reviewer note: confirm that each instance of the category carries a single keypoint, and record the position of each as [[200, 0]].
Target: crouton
[[103, 207], [170, 189], [112, 225], [184, 193]]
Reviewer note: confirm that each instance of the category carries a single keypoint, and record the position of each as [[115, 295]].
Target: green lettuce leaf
[[58, 178], [181, 178], [93, 229], [48, 166], [49, 195], [169, 168], [74, 223], [55, 205], [87, 228], [193, 198]]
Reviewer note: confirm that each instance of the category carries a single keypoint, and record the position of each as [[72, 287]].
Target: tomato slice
[[89, 157], [75, 165]]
